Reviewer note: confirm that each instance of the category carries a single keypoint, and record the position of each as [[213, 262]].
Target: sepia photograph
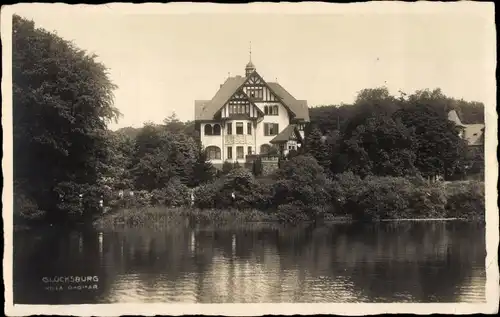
[[279, 156]]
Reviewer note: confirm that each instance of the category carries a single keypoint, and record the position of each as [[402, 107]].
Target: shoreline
[[163, 216], [234, 222]]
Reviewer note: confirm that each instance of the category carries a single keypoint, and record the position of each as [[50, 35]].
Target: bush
[[227, 167], [466, 200], [176, 194], [301, 182], [427, 200], [205, 195], [248, 192], [375, 198], [292, 212]]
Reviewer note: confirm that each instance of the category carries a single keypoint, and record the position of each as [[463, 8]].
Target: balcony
[[234, 139]]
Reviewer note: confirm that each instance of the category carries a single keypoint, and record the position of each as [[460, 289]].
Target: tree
[[172, 124], [316, 146], [203, 169], [62, 102], [441, 151], [370, 103], [301, 182], [257, 167], [161, 155], [227, 167], [121, 151], [382, 146]]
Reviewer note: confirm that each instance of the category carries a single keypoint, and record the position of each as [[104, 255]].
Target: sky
[[163, 60]]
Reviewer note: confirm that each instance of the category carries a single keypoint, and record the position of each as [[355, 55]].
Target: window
[[239, 127], [213, 153], [291, 147], [216, 130], [249, 150], [271, 110], [229, 127], [239, 152], [301, 127], [239, 107], [208, 129], [249, 128], [275, 110], [229, 152], [271, 129], [256, 92]]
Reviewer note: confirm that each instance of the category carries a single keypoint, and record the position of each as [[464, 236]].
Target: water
[[405, 262]]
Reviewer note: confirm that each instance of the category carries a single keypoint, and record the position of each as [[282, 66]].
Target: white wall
[[255, 140], [282, 119], [213, 140], [234, 140]]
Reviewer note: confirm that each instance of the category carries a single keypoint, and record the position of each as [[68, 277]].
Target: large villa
[[250, 117]]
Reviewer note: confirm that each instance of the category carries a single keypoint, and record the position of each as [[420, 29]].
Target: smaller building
[[474, 135]]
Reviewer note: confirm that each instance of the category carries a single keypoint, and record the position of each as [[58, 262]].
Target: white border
[[485, 10]]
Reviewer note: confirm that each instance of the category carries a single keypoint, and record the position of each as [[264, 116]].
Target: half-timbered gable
[[257, 89], [240, 106]]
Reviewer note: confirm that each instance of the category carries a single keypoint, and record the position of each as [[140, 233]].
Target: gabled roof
[[206, 109], [453, 116], [286, 134], [299, 107]]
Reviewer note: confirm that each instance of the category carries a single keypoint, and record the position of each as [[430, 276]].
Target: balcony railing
[[263, 157]]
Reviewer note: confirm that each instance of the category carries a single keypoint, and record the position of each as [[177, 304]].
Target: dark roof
[[286, 134], [299, 107], [206, 109]]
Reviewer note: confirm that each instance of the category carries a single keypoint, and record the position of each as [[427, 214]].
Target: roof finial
[[250, 51]]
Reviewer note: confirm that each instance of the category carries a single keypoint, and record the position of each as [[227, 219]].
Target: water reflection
[[407, 262]]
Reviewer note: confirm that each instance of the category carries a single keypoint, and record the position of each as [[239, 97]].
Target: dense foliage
[[62, 102], [397, 136]]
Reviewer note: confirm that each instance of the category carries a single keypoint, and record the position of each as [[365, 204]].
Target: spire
[[250, 68]]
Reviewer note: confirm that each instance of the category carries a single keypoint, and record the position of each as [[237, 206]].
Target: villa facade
[[250, 117]]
